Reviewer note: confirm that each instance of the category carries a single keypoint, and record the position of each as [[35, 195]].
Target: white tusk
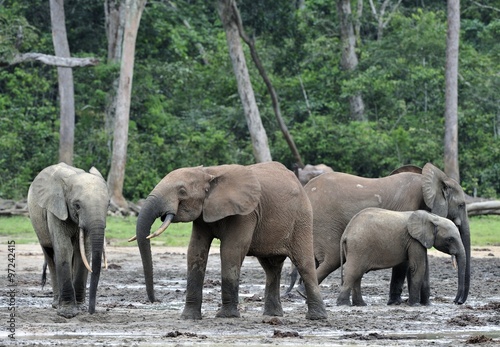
[[454, 261], [163, 227], [82, 251], [133, 238], [104, 254]]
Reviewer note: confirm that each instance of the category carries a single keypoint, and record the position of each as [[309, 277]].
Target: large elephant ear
[[234, 190], [422, 227], [95, 172], [435, 189], [48, 189]]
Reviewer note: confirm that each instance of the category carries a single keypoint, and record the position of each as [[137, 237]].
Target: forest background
[[185, 108]]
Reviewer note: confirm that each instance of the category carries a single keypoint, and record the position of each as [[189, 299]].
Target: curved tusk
[[163, 227], [104, 254], [133, 238], [454, 261], [82, 251]]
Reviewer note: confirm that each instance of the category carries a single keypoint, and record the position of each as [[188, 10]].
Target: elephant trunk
[[462, 266], [97, 241], [465, 235], [150, 211]]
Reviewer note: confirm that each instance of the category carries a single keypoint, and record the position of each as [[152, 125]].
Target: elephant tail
[[342, 242], [44, 274]]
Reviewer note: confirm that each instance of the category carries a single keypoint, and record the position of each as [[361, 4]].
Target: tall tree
[[451, 96], [349, 59], [65, 81], [272, 92], [134, 9], [257, 132]]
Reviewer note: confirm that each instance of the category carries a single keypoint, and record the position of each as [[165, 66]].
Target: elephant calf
[[68, 209], [378, 239]]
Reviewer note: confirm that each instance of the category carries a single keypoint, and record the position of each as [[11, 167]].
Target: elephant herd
[[261, 210]]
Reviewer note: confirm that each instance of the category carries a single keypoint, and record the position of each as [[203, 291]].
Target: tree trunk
[[349, 60], [115, 14], [269, 85], [116, 175], [65, 81], [257, 132], [451, 102]]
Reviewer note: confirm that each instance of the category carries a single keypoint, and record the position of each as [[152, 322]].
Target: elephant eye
[[77, 206], [182, 192]]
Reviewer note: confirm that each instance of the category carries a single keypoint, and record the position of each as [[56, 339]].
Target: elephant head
[[445, 197], [80, 199], [310, 171], [186, 194], [441, 233]]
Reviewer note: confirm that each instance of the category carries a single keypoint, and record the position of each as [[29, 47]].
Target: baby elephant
[[378, 239]]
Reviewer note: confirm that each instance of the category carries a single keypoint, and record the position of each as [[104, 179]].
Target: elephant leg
[[49, 258], [417, 271], [357, 297], [80, 274], [425, 291], [197, 257], [303, 258], [67, 300], [397, 282], [272, 266], [330, 263]]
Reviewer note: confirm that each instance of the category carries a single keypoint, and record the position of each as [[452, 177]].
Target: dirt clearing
[[125, 318]]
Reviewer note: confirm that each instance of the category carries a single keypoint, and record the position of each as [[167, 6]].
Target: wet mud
[[124, 317]]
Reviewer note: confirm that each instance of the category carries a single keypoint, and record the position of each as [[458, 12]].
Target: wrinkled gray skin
[[379, 239], [336, 197], [259, 210], [62, 200]]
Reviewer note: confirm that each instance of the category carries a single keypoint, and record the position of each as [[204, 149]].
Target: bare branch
[[53, 60], [486, 6]]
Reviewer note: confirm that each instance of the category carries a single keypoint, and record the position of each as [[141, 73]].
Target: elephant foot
[[395, 301], [228, 312], [191, 314], [273, 313], [359, 303], [68, 311], [341, 302], [317, 313]]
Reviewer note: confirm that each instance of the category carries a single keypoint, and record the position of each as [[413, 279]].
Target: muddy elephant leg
[[425, 291], [397, 282], [272, 303], [330, 263], [232, 256], [303, 258], [415, 280], [197, 257], [67, 301], [49, 258], [357, 297]]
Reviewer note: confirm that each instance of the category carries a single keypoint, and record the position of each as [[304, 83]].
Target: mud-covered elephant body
[[380, 239], [336, 197], [68, 208], [259, 210]]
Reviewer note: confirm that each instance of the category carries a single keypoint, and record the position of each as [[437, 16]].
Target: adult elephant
[[336, 197], [259, 210], [68, 207], [379, 239]]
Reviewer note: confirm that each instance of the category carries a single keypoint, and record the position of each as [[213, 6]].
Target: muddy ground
[[124, 318]]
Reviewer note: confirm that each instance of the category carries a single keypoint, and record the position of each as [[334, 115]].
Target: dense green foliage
[[185, 106]]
